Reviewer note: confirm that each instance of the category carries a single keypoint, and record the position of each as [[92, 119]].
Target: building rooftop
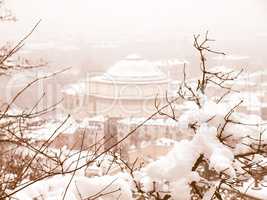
[[134, 68]]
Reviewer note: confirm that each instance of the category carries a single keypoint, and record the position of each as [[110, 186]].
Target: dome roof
[[135, 68]]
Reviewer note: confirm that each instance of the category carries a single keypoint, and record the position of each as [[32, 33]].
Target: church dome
[[135, 68]]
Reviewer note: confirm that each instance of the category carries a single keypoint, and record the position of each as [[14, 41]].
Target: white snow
[[135, 67], [107, 187]]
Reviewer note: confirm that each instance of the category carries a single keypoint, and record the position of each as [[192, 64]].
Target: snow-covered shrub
[[226, 153]]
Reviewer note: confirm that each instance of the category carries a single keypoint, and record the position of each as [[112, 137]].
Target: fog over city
[[92, 35]]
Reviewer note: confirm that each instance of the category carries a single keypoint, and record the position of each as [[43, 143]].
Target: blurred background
[[91, 35]]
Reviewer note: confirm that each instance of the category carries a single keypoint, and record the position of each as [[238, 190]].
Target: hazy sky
[[110, 18], [70, 25]]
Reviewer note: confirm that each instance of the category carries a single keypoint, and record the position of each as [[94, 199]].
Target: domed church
[[127, 89]]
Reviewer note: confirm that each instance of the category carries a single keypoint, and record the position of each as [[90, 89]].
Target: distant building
[[151, 140], [236, 62], [128, 88], [173, 68], [87, 134], [250, 87]]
